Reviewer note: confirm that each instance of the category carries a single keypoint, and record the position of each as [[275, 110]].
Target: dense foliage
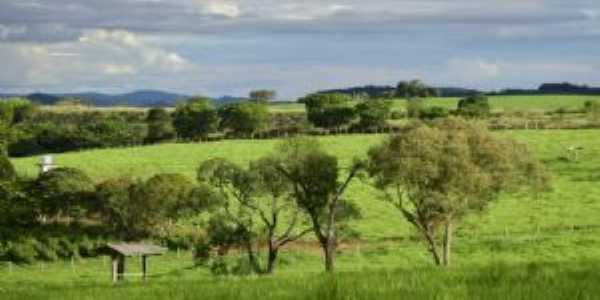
[[195, 119], [330, 111]]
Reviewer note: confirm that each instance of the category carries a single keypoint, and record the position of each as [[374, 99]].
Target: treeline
[[434, 175], [564, 88], [389, 92], [27, 130]]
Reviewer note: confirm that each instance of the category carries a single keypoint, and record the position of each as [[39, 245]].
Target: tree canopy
[[196, 119], [414, 89], [245, 118], [329, 110], [437, 174]]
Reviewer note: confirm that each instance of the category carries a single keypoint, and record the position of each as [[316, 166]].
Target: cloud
[[118, 70], [219, 8], [94, 59]]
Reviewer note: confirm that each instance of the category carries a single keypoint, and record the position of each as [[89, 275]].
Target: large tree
[[160, 126], [195, 119], [414, 89], [318, 190], [245, 118], [435, 175], [254, 208], [134, 210], [329, 110]]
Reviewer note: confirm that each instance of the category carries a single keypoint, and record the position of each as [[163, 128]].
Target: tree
[[414, 89], [245, 118], [435, 175], [329, 110], [160, 126], [263, 95], [15, 207], [314, 176], [135, 210], [64, 192], [258, 194], [373, 113], [7, 171], [115, 207], [195, 119], [16, 110], [476, 106]]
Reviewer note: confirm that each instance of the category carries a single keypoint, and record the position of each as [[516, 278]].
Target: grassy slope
[[559, 228]]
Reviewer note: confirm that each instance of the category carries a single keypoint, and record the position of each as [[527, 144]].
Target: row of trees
[[434, 175]]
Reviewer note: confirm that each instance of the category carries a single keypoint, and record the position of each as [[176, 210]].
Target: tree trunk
[[329, 250], [433, 248], [447, 243], [252, 258], [272, 258]]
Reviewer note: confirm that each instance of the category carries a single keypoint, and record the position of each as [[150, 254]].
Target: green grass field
[[524, 247]]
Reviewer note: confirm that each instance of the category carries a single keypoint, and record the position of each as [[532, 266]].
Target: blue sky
[[217, 47]]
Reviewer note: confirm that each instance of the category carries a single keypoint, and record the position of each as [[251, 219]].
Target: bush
[[414, 107], [476, 106], [64, 192], [434, 112], [22, 252], [373, 113], [7, 171], [47, 249]]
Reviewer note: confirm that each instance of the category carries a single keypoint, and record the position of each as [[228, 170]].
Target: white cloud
[[128, 47], [118, 70], [219, 8], [95, 59]]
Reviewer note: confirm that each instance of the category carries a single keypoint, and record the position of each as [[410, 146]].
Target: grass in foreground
[[498, 281]]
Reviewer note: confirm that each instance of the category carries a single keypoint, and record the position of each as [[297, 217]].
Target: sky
[[229, 47]]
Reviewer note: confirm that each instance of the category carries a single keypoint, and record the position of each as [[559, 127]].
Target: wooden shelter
[[119, 252]]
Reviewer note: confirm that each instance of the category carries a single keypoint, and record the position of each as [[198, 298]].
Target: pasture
[[525, 246]]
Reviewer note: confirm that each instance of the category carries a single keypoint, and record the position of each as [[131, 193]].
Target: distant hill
[[137, 98]]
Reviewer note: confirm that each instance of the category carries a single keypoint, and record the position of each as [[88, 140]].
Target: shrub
[[434, 112], [476, 106], [23, 251], [7, 171], [64, 192], [373, 113]]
